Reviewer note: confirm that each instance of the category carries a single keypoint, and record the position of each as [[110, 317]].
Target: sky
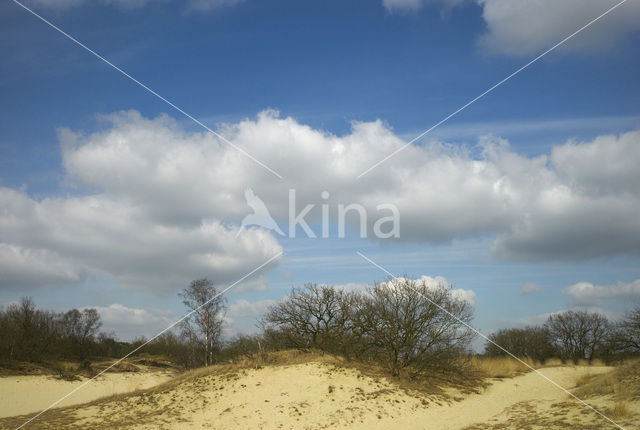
[[525, 201]]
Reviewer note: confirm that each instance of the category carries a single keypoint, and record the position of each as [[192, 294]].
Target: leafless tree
[[243, 346], [29, 331], [78, 330], [531, 342], [578, 334], [404, 325], [204, 327], [316, 316], [81, 325], [625, 337]]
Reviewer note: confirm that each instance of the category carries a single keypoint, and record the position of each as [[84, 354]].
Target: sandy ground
[[24, 394], [319, 395]]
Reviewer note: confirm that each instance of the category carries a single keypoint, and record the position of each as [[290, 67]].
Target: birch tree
[[203, 328]]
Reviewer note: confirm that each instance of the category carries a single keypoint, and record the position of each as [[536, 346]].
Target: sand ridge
[[310, 396], [32, 393]]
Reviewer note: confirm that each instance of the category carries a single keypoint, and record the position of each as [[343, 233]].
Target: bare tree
[[204, 326], [578, 334], [315, 316], [79, 329], [403, 323], [30, 331], [531, 342], [625, 337], [81, 325]]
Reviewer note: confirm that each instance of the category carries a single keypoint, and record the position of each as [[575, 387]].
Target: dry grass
[[620, 410], [617, 390], [623, 383], [552, 362], [71, 370], [502, 367], [508, 367]]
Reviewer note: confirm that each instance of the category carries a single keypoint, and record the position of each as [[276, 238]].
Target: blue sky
[[97, 205]]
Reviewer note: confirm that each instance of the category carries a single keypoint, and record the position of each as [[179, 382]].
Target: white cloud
[[430, 282], [242, 317], [524, 27], [352, 287], [586, 293], [65, 239], [468, 296], [575, 213], [529, 288], [156, 206], [243, 308], [605, 166], [257, 283], [440, 282], [23, 267], [128, 322]]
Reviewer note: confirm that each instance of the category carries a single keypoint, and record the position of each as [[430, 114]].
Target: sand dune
[[25, 394], [318, 395]]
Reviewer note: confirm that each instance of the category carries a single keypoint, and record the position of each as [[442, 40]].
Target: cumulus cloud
[[430, 282], [257, 283], [352, 286], [134, 322], [529, 288], [244, 308], [442, 282], [524, 27], [60, 240], [586, 293], [154, 205], [604, 166], [539, 207], [459, 293], [242, 316], [24, 267]]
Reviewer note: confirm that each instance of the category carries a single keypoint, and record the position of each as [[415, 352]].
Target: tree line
[[404, 325], [571, 335], [32, 334]]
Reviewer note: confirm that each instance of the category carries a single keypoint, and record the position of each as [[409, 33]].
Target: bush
[[402, 323], [530, 342], [578, 334], [316, 316], [409, 324], [85, 365]]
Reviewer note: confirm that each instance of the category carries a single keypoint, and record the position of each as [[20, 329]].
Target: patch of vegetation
[[623, 383]]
